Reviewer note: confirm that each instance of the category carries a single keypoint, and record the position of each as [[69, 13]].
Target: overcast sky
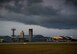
[[54, 15]]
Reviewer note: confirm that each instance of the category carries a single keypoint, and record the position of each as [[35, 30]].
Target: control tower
[[21, 36]]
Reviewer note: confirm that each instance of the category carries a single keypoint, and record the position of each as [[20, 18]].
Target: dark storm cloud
[[30, 2], [39, 10], [2, 1], [49, 13], [74, 2]]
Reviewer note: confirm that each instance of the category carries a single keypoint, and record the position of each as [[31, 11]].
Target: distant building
[[21, 36], [49, 39]]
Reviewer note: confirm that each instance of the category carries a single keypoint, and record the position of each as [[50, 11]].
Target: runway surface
[[36, 42]]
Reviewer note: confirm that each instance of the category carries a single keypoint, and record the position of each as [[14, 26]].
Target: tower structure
[[13, 34], [30, 34], [21, 36]]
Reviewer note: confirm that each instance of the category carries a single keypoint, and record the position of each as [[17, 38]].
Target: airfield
[[39, 48], [27, 43]]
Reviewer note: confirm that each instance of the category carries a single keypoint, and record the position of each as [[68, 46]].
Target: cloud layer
[[60, 14]]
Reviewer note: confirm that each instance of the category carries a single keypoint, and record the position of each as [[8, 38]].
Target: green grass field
[[53, 48]]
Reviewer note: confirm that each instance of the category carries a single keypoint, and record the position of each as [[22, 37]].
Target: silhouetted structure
[[39, 38], [5, 39], [21, 36], [13, 34], [30, 34]]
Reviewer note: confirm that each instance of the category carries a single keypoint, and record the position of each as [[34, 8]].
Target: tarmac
[[24, 43]]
